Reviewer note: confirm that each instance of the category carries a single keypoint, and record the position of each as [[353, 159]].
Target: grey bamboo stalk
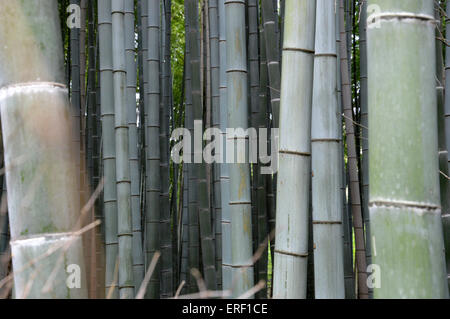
[[261, 203], [354, 189], [82, 44], [404, 191], [215, 105], [325, 160], [253, 78], [124, 230], [294, 158], [153, 147], [270, 21], [165, 234], [109, 147], [442, 147], [239, 186], [33, 96], [192, 228], [347, 228], [204, 213], [365, 130], [446, 217], [224, 167], [138, 258]]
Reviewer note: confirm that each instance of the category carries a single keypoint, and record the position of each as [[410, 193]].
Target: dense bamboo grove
[[224, 149]]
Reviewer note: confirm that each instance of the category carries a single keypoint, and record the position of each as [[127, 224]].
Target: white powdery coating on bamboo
[[406, 17], [40, 239], [400, 206], [30, 88]]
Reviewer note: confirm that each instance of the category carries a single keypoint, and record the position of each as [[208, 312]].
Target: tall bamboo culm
[[239, 186], [326, 161], [224, 167], [131, 76], [294, 157], [354, 190], [109, 146], [405, 214], [152, 140], [35, 99]]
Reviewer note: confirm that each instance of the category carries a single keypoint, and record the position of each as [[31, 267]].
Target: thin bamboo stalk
[[138, 258], [109, 147], [224, 167], [353, 164], [153, 190], [215, 105]]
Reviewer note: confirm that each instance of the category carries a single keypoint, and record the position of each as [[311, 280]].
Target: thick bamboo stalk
[[291, 245], [138, 258], [239, 186], [406, 227], [353, 164], [152, 140], [326, 163], [43, 200]]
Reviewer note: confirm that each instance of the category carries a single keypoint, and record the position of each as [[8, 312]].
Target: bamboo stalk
[[404, 205], [326, 163], [109, 148], [239, 186], [353, 164], [43, 200], [291, 245]]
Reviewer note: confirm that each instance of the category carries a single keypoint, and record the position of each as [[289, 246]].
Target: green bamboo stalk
[[239, 186], [261, 203], [291, 245], [406, 227], [224, 167], [152, 140], [215, 105], [33, 97], [365, 131], [442, 144], [124, 230], [204, 213], [270, 21], [138, 258], [446, 217], [354, 189], [165, 233], [326, 163], [109, 147], [347, 229]]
